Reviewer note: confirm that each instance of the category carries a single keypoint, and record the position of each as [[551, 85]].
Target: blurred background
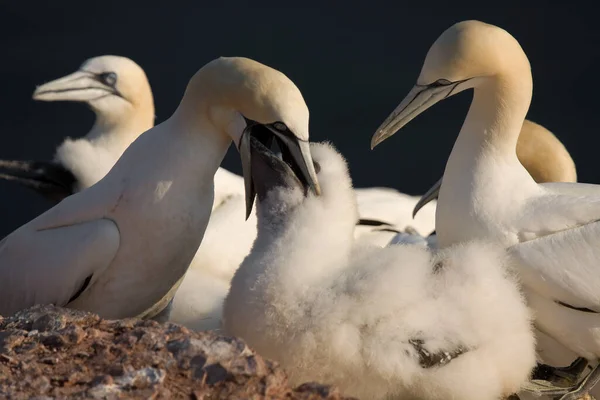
[[353, 64]]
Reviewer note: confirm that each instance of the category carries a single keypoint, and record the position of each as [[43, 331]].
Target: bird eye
[[280, 126], [440, 82], [317, 166], [108, 78]]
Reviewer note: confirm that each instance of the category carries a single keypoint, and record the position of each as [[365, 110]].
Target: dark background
[[353, 62]]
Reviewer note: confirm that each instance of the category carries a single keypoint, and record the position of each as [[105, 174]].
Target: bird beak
[[431, 194], [295, 152], [419, 99], [78, 86], [270, 171]]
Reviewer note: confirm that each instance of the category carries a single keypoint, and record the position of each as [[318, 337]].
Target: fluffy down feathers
[[394, 322]]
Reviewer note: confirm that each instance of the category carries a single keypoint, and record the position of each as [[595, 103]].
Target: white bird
[[118, 92], [547, 160], [542, 154], [386, 213], [551, 229], [121, 247], [395, 322]]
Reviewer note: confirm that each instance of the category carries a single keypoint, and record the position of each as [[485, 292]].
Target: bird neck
[[483, 170], [493, 124]]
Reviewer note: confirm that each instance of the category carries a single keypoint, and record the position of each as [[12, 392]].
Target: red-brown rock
[[48, 352]]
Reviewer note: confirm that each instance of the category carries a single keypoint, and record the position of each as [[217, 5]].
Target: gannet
[[228, 239], [121, 247], [396, 322], [550, 228], [542, 154], [547, 160], [118, 92]]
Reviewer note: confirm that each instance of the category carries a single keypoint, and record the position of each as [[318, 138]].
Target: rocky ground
[[49, 352]]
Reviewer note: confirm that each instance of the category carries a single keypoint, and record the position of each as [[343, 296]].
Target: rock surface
[[48, 352]]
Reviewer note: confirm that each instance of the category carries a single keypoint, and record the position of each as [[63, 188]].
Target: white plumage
[[118, 92], [121, 247], [395, 322], [550, 229]]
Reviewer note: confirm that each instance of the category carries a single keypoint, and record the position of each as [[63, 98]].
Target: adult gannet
[[547, 160], [394, 322], [118, 92], [542, 154], [121, 247], [550, 228]]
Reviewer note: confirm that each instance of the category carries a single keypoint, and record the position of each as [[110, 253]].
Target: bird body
[[396, 322], [144, 220], [150, 208], [550, 229]]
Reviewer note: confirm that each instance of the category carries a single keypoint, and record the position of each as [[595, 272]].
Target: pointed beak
[[419, 99], [269, 171], [78, 86], [246, 158], [294, 151], [430, 195]]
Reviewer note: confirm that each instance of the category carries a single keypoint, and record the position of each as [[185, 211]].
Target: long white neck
[[483, 162], [177, 150]]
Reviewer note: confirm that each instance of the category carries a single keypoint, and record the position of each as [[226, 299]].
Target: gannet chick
[[550, 229], [118, 92], [121, 247], [395, 322], [541, 153]]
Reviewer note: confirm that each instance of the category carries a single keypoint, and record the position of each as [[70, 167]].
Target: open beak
[[419, 99], [429, 195], [78, 86], [270, 171], [295, 152]]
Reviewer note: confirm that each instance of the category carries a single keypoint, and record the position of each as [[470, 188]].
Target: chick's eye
[[317, 166], [440, 82], [280, 126], [108, 78]]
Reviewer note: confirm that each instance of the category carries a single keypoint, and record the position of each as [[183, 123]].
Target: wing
[[559, 251], [50, 179], [563, 266], [54, 266], [558, 207]]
